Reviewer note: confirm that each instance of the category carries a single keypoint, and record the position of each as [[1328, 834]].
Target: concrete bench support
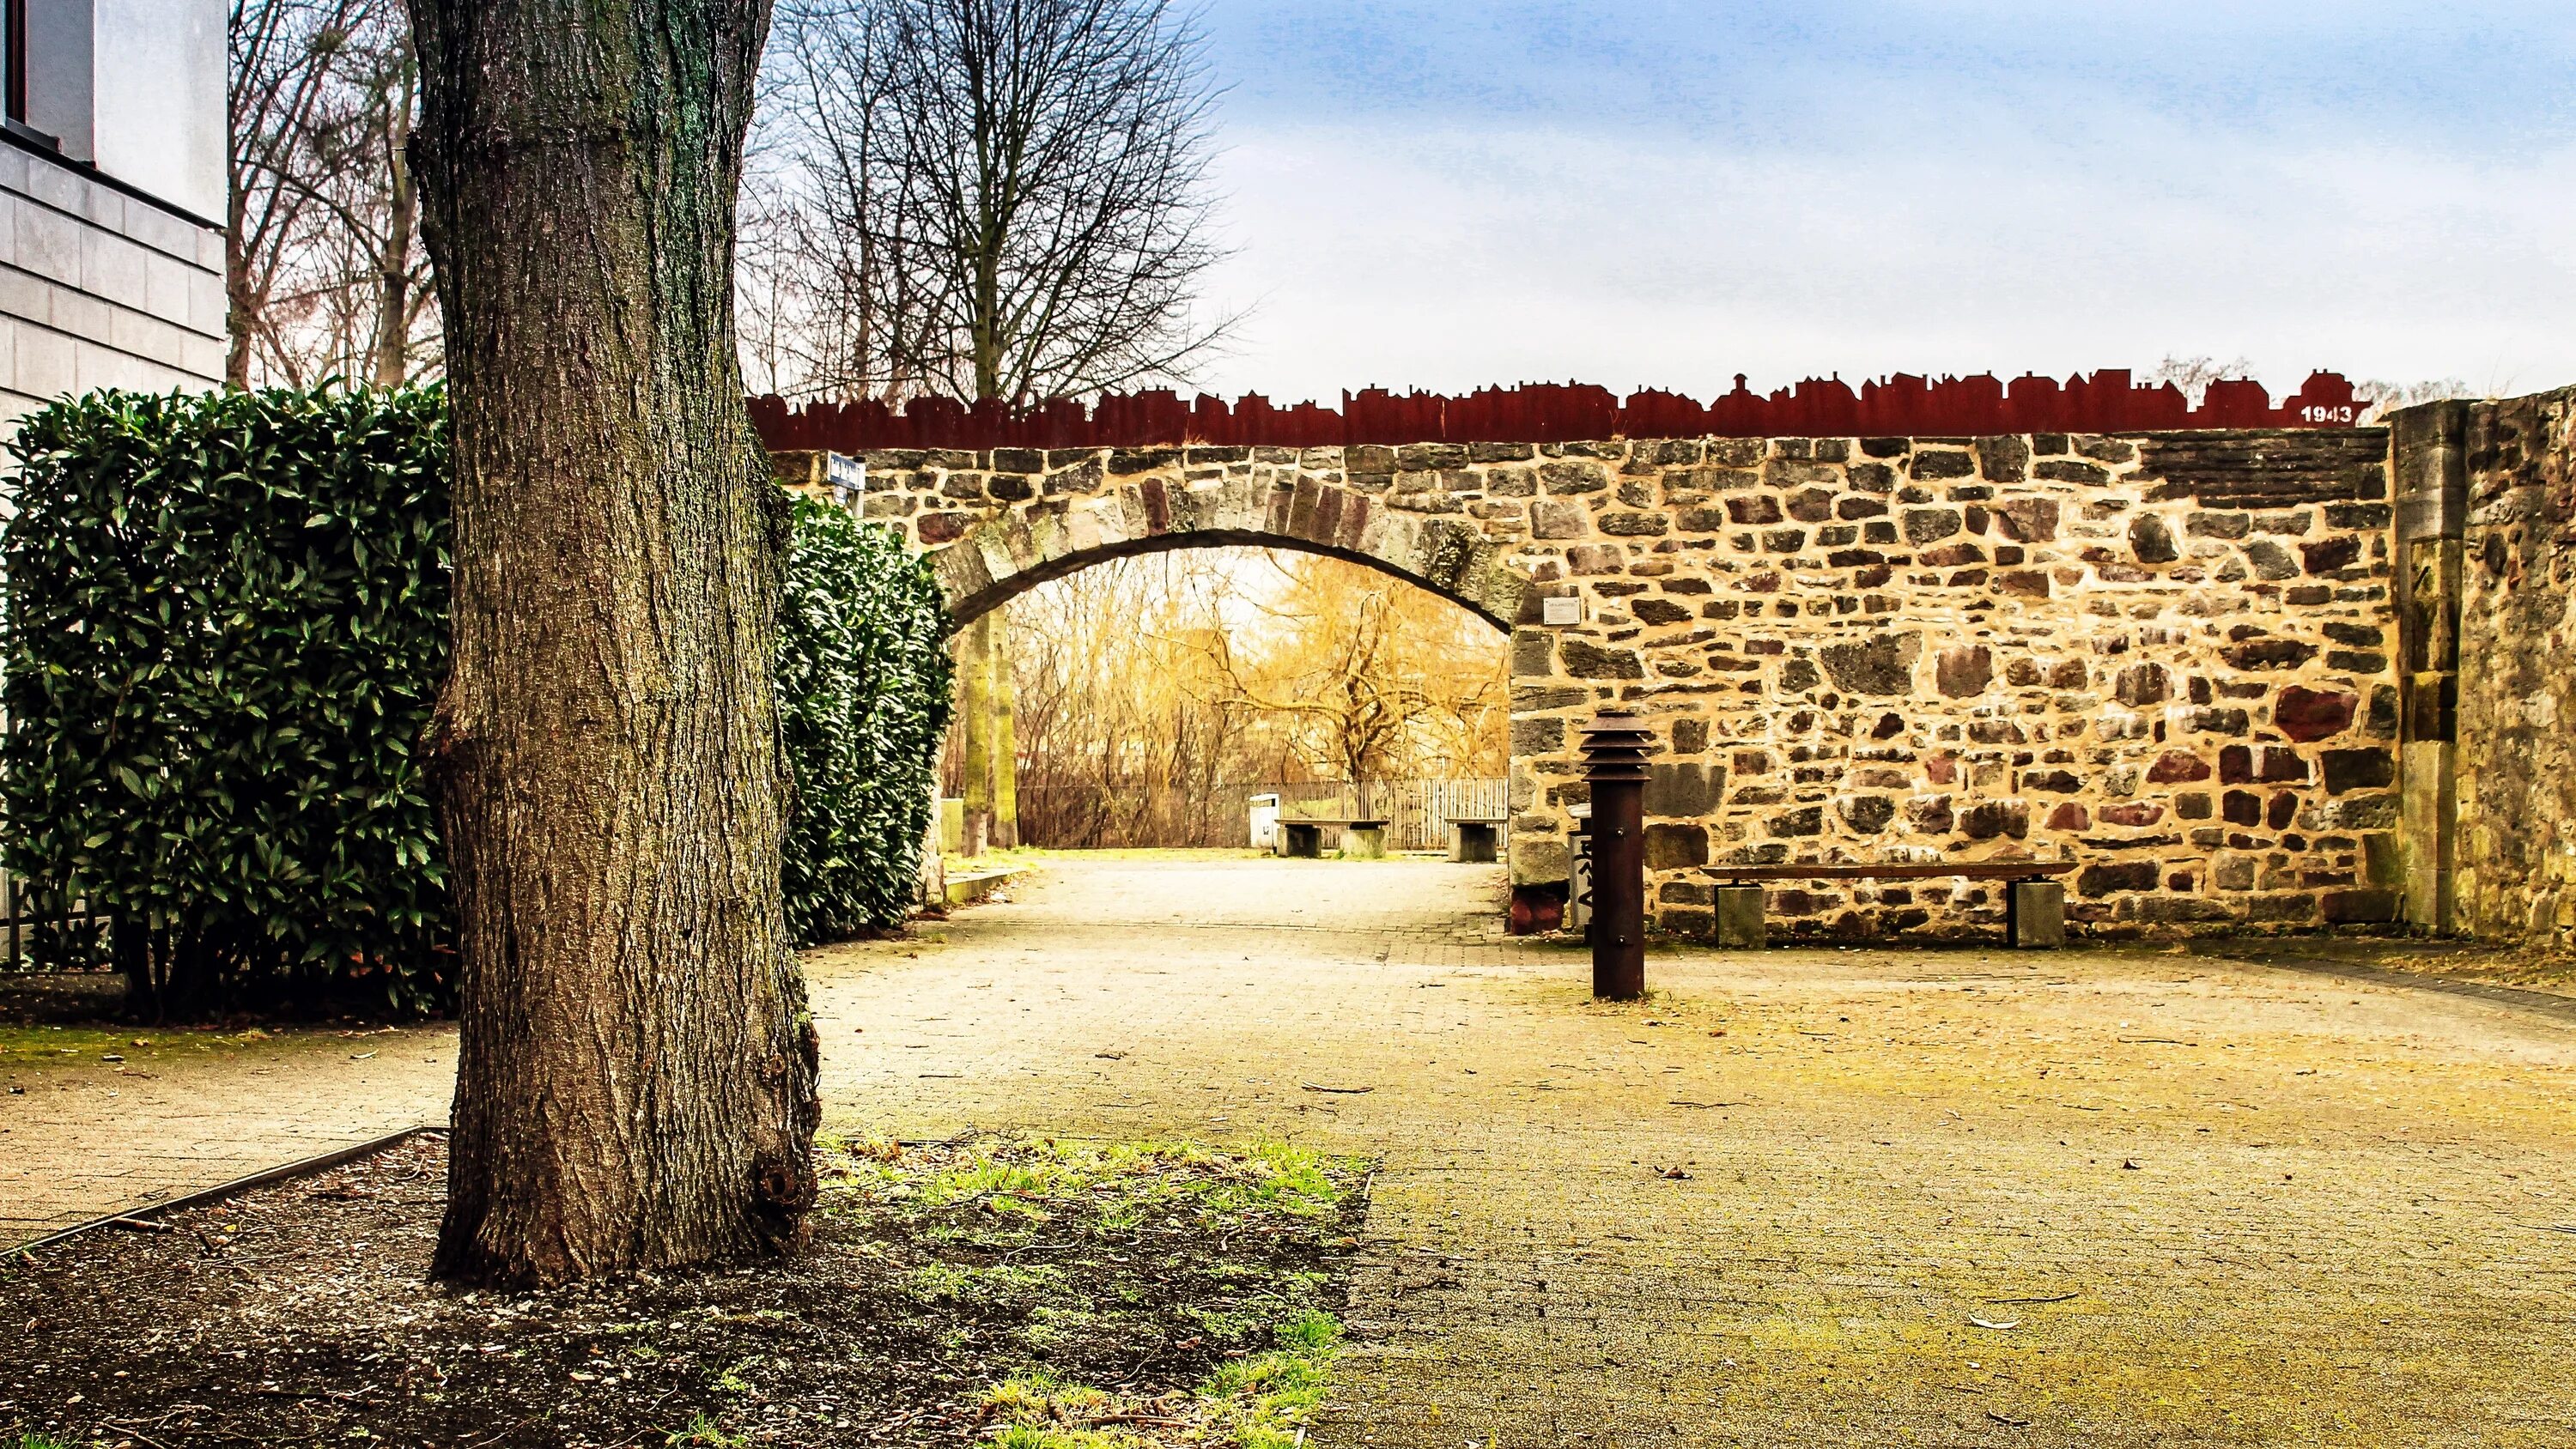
[[1739, 917], [1474, 841], [1360, 839], [2036, 912]]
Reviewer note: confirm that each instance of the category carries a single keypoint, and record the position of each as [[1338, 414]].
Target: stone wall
[[2164, 657], [2512, 851]]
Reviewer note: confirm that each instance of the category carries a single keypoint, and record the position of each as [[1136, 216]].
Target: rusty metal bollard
[[1614, 762]]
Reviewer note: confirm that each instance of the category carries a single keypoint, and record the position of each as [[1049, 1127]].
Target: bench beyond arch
[[1015, 550]]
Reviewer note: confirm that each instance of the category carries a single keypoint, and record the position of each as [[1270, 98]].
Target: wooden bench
[[1362, 838], [1476, 839], [2034, 904]]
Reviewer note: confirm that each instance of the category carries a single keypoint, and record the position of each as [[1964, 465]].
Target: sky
[[1445, 194]]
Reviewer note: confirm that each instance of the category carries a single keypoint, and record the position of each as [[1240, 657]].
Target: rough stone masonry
[[2487, 594], [2165, 657]]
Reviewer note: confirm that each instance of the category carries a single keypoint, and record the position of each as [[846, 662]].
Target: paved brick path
[[2270, 1208], [85, 1138], [2339, 1228]]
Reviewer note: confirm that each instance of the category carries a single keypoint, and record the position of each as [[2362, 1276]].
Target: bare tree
[[825, 307], [326, 271], [1148, 686], [391, 227], [1003, 199], [2194, 374], [283, 57], [2385, 397]]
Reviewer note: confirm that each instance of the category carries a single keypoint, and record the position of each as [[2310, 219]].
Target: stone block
[[1963, 670], [1990, 819], [2330, 554], [2152, 540], [1584, 659], [2307, 715], [2037, 912], [1676, 847], [1739, 912], [1866, 814], [2354, 907], [1881, 665], [2108, 878], [2365, 769], [1683, 788]]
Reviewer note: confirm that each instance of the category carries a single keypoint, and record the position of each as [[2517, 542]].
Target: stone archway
[[1015, 549], [2162, 656]]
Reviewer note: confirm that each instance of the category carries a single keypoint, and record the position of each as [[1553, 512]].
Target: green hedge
[[226, 619], [863, 703]]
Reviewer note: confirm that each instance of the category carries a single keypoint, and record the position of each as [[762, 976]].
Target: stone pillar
[[2428, 469], [984, 702], [1006, 738], [975, 716]]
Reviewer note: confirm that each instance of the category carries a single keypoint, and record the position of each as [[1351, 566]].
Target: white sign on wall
[[1565, 609], [847, 475]]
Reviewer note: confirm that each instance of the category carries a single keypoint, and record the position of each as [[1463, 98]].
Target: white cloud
[[1453, 257]]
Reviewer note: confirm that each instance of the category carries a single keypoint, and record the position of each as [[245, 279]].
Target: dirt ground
[[951, 1292], [1884, 1196]]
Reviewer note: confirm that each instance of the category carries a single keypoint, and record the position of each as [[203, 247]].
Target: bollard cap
[[1615, 746]]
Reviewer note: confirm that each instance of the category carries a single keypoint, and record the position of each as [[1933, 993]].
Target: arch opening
[[984, 560], [966, 609], [1156, 693]]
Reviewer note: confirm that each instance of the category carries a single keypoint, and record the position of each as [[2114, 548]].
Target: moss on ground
[[34, 1048], [1047, 1248]]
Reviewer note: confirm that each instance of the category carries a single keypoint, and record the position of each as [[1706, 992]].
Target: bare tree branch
[[985, 199]]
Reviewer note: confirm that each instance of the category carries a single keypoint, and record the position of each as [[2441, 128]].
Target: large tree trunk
[[636, 1081]]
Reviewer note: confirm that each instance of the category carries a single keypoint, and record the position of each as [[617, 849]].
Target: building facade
[[112, 194]]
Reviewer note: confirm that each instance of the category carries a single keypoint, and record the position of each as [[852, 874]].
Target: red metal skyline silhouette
[[1901, 406]]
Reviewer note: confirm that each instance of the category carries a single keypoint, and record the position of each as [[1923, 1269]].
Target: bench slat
[[1969, 870]]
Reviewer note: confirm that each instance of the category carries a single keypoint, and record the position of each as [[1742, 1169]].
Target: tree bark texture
[[636, 1079]]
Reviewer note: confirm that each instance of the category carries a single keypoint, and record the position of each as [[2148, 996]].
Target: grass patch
[[1061, 1247], [1260, 1401], [702, 1432]]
